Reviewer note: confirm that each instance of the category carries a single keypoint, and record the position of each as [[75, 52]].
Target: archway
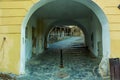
[[64, 32], [66, 22], [90, 12]]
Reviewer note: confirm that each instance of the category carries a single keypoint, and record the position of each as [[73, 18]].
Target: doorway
[[84, 12]]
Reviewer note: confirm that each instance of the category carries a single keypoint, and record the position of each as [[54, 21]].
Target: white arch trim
[[88, 3]]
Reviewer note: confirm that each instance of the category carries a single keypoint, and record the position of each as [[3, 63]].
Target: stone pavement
[[77, 64], [67, 43]]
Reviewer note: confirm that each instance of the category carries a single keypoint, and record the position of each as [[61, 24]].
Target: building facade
[[20, 20]]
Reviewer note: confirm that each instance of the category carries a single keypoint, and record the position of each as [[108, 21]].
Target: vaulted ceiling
[[63, 9]]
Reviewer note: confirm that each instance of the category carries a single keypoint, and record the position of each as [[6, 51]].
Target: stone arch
[[66, 22], [98, 13]]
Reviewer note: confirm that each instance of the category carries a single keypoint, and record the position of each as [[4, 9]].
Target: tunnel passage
[[45, 13], [62, 32], [65, 59]]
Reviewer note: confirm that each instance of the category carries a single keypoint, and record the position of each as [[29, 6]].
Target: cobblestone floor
[[77, 64]]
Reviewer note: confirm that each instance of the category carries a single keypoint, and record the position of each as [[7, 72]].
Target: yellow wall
[[9, 53], [113, 15], [12, 13]]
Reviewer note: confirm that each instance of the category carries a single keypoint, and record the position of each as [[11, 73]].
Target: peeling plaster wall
[[28, 38], [40, 36], [35, 38], [95, 31]]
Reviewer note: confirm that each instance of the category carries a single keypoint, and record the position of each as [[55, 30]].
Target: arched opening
[[95, 26], [63, 32], [60, 31]]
